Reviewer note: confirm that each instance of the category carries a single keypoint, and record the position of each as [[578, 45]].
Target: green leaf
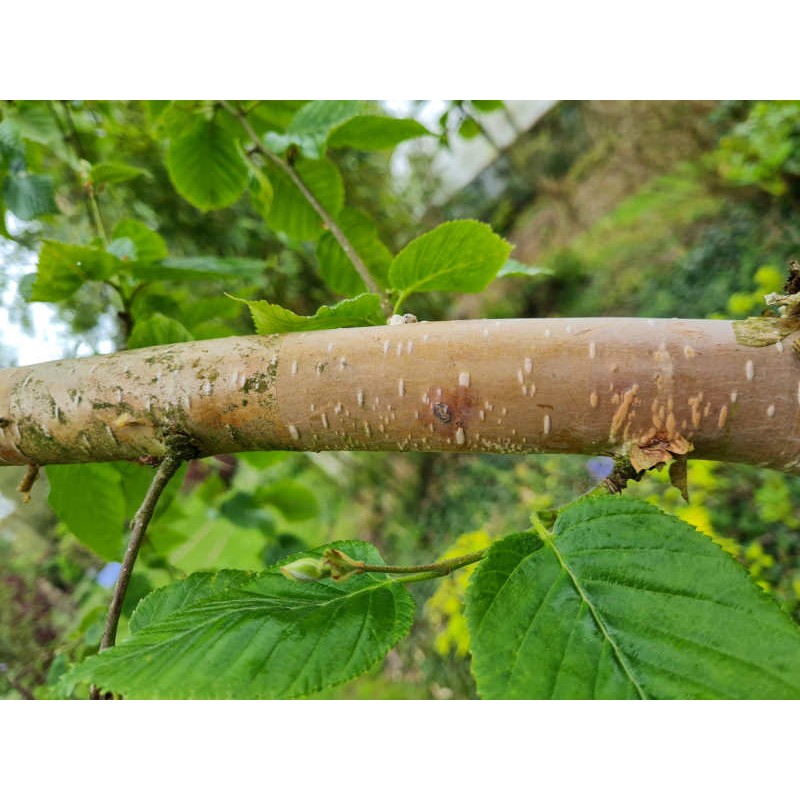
[[372, 132], [514, 268], [89, 500], [64, 268], [159, 605], [295, 501], [148, 245], [114, 172], [336, 268], [623, 601], [29, 196], [309, 129], [290, 212], [460, 256], [322, 115], [263, 638], [157, 329], [356, 312], [206, 166], [469, 128], [11, 146], [487, 105], [201, 268]]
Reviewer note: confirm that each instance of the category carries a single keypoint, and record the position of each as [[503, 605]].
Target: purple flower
[[107, 576], [600, 467]]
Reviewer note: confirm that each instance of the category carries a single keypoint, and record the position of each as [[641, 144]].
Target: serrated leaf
[[514, 268], [89, 500], [29, 196], [336, 268], [158, 605], [460, 256], [157, 329], [64, 268], [355, 312], [295, 501], [206, 165], [290, 212], [372, 132], [114, 172], [201, 268], [623, 601], [266, 638], [148, 245]]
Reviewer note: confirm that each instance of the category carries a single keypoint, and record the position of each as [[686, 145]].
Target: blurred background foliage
[[661, 209]]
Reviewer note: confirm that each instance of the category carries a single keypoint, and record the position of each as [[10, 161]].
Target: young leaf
[[336, 268], [64, 268], [157, 329], [114, 172], [356, 312], [89, 500], [206, 166], [29, 196], [460, 256], [290, 212], [372, 132], [148, 245], [623, 601], [263, 638]]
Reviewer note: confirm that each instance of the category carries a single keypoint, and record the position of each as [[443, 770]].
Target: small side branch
[[168, 467], [328, 221]]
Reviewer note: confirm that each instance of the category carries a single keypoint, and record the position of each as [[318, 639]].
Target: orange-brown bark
[[511, 386]]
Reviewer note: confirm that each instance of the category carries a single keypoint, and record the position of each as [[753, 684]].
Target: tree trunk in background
[[499, 386]]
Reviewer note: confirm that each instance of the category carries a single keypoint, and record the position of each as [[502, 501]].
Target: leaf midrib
[[623, 662]]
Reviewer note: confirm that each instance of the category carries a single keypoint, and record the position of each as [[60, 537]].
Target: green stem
[[96, 217], [340, 566], [439, 567], [327, 220], [400, 300]]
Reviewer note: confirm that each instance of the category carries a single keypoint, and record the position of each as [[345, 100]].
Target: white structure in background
[[459, 164]]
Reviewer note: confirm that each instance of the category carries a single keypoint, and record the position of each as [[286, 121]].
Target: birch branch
[[498, 386]]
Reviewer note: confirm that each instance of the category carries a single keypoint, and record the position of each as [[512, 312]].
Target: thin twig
[[168, 467], [328, 221], [440, 567], [342, 566]]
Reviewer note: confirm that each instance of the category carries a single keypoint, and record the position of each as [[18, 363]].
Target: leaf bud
[[306, 569]]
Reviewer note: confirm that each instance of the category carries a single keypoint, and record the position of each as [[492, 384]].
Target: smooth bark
[[500, 386]]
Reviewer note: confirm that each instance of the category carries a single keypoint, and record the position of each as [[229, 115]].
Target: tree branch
[[327, 220], [594, 386], [168, 467]]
